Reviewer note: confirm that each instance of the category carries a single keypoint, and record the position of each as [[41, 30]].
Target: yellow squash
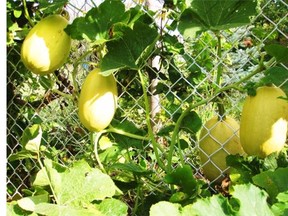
[[263, 125], [218, 138], [97, 101], [47, 46]]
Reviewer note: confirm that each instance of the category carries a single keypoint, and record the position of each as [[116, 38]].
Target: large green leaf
[[29, 203], [219, 205], [165, 208], [131, 49], [83, 184], [113, 207], [56, 210], [253, 200], [77, 185], [215, 15], [183, 177], [98, 21], [278, 51], [274, 182], [245, 199], [276, 75]]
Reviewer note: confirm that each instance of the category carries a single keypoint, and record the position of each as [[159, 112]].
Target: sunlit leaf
[[165, 208], [31, 138], [113, 207], [215, 15], [56, 210], [28, 203], [281, 207]]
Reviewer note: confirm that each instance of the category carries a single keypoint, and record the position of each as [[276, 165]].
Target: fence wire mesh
[[28, 102]]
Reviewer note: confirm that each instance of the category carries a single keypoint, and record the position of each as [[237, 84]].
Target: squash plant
[[133, 161]]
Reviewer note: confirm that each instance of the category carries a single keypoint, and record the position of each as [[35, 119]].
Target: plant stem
[[138, 195], [26, 13], [94, 141], [121, 132], [67, 96], [150, 130], [219, 58], [50, 185], [259, 69], [180, 152], [220, 106]]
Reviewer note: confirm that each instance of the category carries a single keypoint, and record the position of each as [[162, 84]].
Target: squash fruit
[[97, 101], [263, 124], [47, 46], [218, 138]]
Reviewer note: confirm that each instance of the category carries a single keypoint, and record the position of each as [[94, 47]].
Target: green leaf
[[41, 178], [191, 123], [278, 51], [252, 200], [17, 13], [164, 208], [23, 154], [28, 203], [242, 169], [166, 130], [57, 210], [31, 138], [97, 23], [281, 207], [105, 143], [51, 6], [183, 177], [45, 82], [178, 197], [247, 199], [215, 15], [273, 182], [219, 205], [82, 184], [131, 49], [276, 75], [13, 209], [113, 207]]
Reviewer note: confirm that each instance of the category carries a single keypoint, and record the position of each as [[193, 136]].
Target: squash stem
[[94, 141], [221, 111], [124, 133], [150, 130], [220, 105], [219, 58], [43, 167], [26, 13]]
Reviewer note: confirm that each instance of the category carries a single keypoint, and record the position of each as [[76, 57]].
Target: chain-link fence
[[28, 102]]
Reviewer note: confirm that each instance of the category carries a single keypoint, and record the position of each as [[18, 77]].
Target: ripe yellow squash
[[218, 138], [47, 46], [97, 101], [263, 124]]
